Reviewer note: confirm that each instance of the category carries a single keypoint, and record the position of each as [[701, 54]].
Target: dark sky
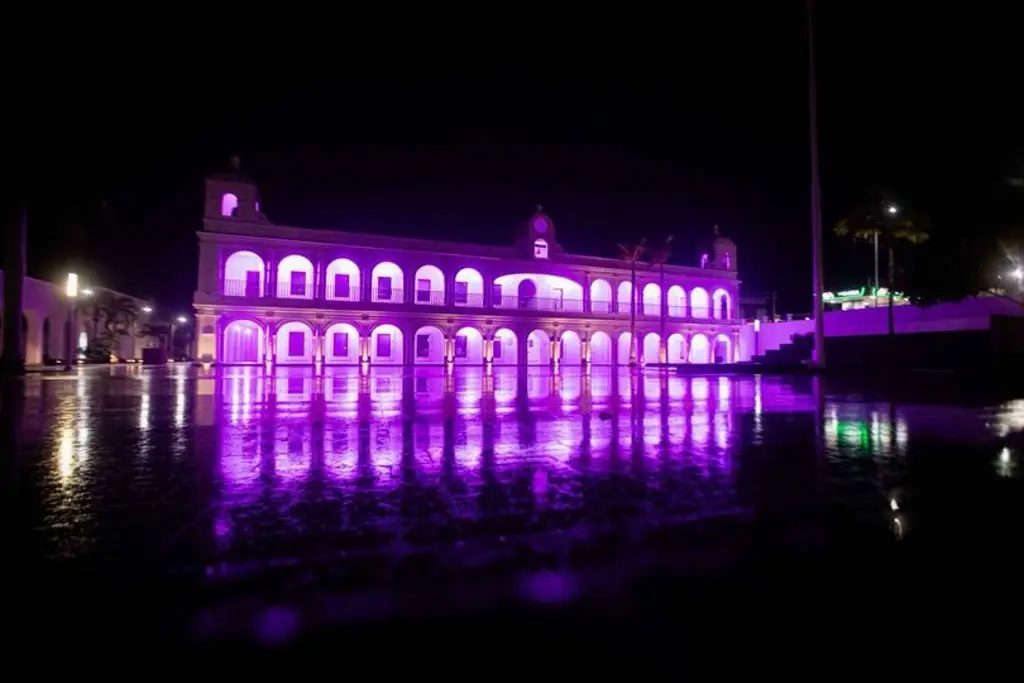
[[622, 127]]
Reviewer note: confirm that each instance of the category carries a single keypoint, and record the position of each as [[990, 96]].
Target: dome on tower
[[720, 253]]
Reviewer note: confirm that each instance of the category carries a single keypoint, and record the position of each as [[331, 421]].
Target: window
[[497, 348], [341, 285], [423, 346], [423, 291], [384, 290], [228, 205], [461, 346], [296, 344], [298, 283], [461, 292], [704, 261], [341, 344], [496, 294], [540, 249], [726, 260], [384, 341]]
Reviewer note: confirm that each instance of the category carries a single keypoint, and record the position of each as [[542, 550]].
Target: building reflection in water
[[297, 454]]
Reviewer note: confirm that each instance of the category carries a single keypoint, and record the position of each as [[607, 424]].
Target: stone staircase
[[794, 352]]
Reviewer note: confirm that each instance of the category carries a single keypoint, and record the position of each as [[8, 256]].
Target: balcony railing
[[540, 303], [386, 296], [294, 290], [476, 300], [429, 297], [342, 293], [244, 288], [252, 290]]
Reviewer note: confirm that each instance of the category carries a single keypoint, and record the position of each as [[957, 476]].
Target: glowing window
[[540, 249]]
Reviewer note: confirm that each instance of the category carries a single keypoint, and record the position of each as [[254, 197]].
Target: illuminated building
[[275, 294]]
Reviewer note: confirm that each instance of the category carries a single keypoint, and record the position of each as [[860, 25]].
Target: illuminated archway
[[295, 277], [570, 348], [652, 300], [243, 275], [429, 286], [504, 347], [428, 346], [294, 343], [699, 303], [676, 348], [341, 344], [228, 205], [538, 348], [676, 302], [700, 349], [386, 345], [623, 297], [539, 291], [623, 348], [386, 283], [721, 348], [600, 296], [469, 346], [601, 349], [721, 302], [342, 279], [652, 342], [242, 343], [469, 288]]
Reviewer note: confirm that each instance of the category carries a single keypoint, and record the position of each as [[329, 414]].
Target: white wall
[[969, 314]]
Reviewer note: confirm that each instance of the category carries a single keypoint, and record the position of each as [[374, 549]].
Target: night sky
[[621, 127]]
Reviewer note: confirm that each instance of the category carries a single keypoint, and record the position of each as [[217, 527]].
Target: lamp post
[[816, 238], [179, 320], [71, 290]]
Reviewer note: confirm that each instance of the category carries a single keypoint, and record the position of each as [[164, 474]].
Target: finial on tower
[[236, 162], [716, 230], [540, 209]]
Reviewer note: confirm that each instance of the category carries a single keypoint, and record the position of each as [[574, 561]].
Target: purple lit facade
[[274, 295]]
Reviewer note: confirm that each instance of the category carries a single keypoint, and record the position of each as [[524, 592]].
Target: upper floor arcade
[[246, 259]]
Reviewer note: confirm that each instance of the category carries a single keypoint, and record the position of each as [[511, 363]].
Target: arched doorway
[[527, 294], [429, 346], [652, 344], [294, 343], [341, 344], [720, 349], [700, 351], [570, 348], [503, 349], [601, 349], [242, 342], [538, 348], [469, 346]]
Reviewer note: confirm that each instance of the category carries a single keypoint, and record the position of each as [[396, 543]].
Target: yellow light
[[72, 286]]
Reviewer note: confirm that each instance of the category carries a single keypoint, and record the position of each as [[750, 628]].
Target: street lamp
[[147, 309], [71, 290], [179, 320]]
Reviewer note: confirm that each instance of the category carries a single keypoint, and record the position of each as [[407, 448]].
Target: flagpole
[[816, 237]]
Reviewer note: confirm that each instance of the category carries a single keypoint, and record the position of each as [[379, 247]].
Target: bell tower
[[232, 195], [538, 238]]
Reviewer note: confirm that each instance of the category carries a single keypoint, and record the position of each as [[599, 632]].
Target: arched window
[[540, 249], [228, 204]]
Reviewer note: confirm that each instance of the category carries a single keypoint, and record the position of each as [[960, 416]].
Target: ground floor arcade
[[241, 339]]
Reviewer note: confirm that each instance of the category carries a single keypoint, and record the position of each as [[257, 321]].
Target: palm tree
[[117, 314], [879, 217], [659, 257], [632, 253]]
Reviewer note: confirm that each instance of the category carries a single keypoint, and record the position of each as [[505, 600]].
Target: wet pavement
[[231, 506]]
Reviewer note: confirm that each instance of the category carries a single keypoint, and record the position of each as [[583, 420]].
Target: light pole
[[892, 211], [180, 320], [816, 238], [71, 289]]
